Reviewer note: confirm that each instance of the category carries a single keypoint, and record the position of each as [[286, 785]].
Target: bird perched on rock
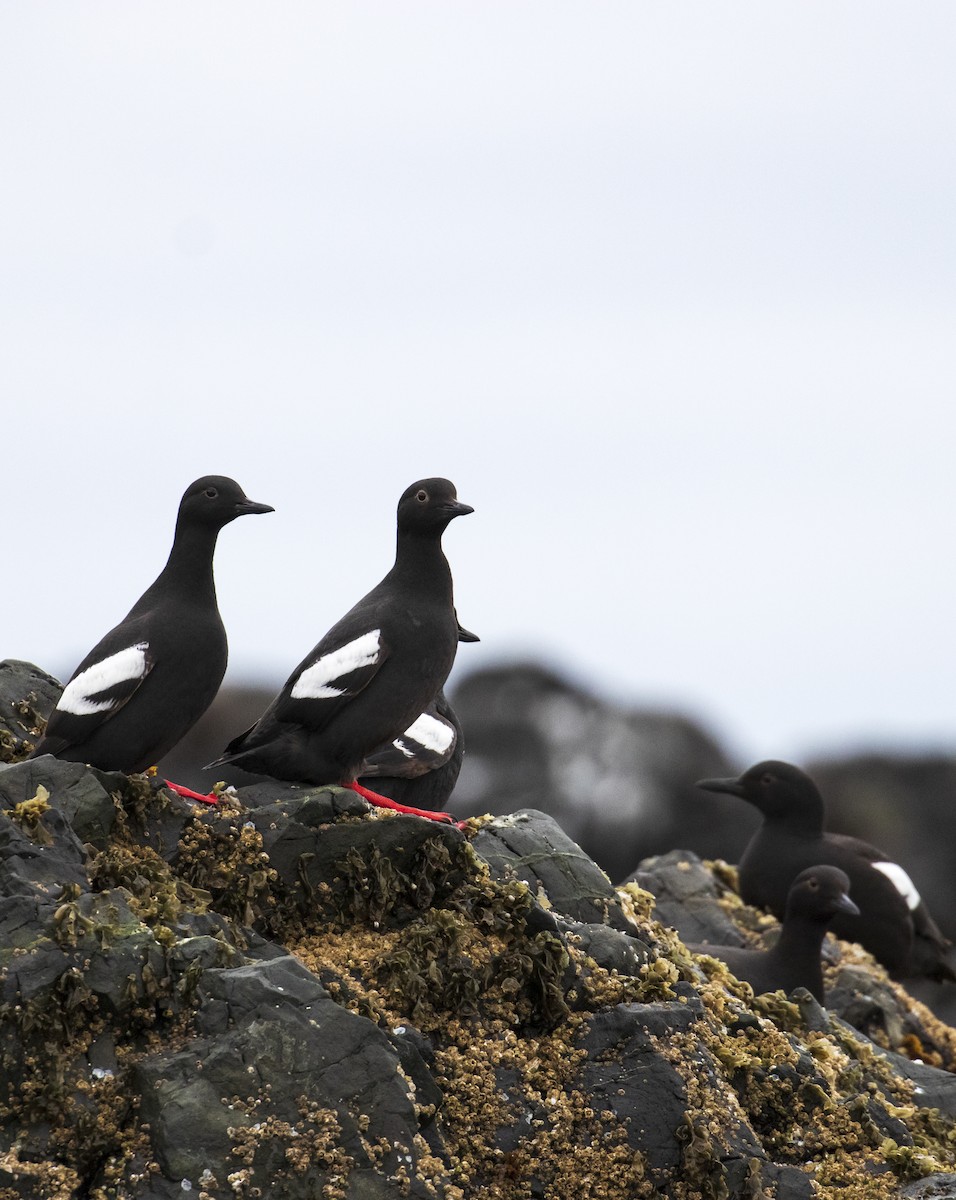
[[151, 678], [422, 765], [894, 923], [375, 672], [816, 896]]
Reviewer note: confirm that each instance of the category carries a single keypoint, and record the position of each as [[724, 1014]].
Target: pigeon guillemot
[[422, 765], [815, 898], [375, 672], [894, 923], [150, 679]]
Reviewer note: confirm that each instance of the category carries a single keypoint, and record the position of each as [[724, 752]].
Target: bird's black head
[[820, 893], [428, 505], [215, 500], [777, 789]]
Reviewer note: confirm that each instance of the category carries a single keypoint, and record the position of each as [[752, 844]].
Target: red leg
[[384, 802], [189, 794]]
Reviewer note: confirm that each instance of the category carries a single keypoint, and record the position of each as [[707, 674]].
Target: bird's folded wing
[[904, 886], [426, 745], [332, 675], [102, 684]]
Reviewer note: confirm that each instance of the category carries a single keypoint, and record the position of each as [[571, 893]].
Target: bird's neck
[[802, 822], [420, 563], [801, 939], [188, 570]]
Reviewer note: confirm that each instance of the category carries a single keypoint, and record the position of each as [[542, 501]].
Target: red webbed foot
[[189, 794], [384, 802]]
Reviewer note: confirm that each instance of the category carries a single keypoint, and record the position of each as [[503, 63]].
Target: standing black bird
[[816, 896], [894, 923], [142, 687], [422, 765], [375, 672]]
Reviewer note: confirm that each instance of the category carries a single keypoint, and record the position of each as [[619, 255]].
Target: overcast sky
[[667, 290]]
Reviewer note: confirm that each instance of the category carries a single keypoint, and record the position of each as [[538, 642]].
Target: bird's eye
[[766, 779], [812, 884], [211, 493], [421, 495]]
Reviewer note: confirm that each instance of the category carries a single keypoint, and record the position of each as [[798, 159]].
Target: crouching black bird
[[150, 679], [894, 923], [422, 765], [816, 896], [375, 672]]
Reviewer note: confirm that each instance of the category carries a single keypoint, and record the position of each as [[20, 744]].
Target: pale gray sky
[[668, 291]]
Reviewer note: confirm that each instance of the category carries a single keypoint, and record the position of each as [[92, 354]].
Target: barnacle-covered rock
[[685, 895], [290, 996], [27, 696], [532, 846]]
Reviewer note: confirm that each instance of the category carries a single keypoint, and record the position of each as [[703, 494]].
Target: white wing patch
[[122, 667], [315, 682], [901, 881], [429, 732]]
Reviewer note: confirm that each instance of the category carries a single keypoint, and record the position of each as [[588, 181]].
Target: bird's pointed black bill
[[845, 905], [247, 506], [731, 787]]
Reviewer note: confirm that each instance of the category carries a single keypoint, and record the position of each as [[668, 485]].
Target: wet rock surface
[[290, 996], [27, 695]]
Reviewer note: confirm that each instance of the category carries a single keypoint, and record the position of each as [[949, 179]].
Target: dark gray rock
[[310, 1066], [933, 1187], [628, 1073], [39, 851], [309, 806], [415, 1053], [230, 997], [625, 1068], [22, 918], [20, 1185], [32, 975], [532, 847], [610, 948], [866, 1002], [27, 696], [387, 870], [685, 897], [932, 1088], [82, 795], [122, 960]]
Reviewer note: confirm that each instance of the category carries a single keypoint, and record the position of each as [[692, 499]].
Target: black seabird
[[894, 923], [422, 765], [150, 679], [375, 672], [816, 896]]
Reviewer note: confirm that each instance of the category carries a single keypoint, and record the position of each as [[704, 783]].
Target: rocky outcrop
[[290, 996], [620, 780]]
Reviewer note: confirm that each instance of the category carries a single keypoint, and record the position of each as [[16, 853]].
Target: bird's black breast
[[884, 927]]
